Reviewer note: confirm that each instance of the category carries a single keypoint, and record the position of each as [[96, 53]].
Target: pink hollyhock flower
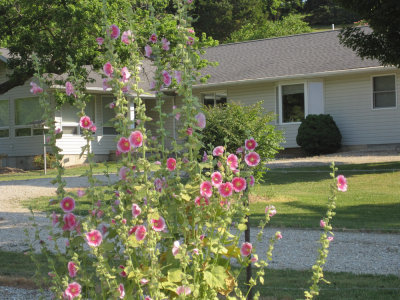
[[140, 232], [100, 41], [216, 179], [67, 204], [270, 210], [177, 116], [278, 235], [330, 238], [94, 238], [171, 164], [108, 69], [127, 37], [252, 159], [69, 89], [195, 251], [35, 89], [225, 189], [85, 122], [125, 89], [122, 273], [250, 144], [218, 151], [136, 139], [124, 145], [72, 269], [184, 290], [121, 290], [114, 31], [190, 40], [159, 224], [254, 259], [198, 201], [144, 281], [105, 84], [93, 128], [103, 229], [123, 173], [111, 105], [166, 78], [54, 219], [189, 1], [252, 180], [147, 298], [135, 210], [239, 184], [165, 44], [153, 38], [148, 51], [341, 183], [158, 185], [206, 189], [239, 150], [205, 157], [232, 161], [322, 223], [178, 76], [69, 222], [246, 249], [175, 248], [123, 221], [201, 120], [125, 74], [73, 290], [189, 131], [158, 163]]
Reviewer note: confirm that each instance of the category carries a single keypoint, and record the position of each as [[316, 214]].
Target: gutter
[[99, 90]]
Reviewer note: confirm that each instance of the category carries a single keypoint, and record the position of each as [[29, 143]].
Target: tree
[[326, 12], [276, 9], [383, 42]]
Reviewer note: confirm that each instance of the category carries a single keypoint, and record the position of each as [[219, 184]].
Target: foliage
[[276, 9], [318, 134], [289, 25], [383, 42], [327, 12], [38, 160]]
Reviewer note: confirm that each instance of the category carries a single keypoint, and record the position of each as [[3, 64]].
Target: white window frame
[[76, 124], [305, 86], [215, 93], [6, 127], [372, 92]]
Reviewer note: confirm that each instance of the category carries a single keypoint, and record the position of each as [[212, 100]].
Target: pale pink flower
[[190, 40], [93, 128], [252, 159], [72, 269], [153, 85], [114, 31], [125, 74], [171, 164], [205, 157], [189, 1], [67, 204], [125, 89], [158, 184], [121, 290], [140, 232], [177, 116], [105, 84], [252, 180], [216, 179], [239, 150], [153, 38], [136, 139], [166, 78], [330, 238], [195, 251], [124, 145], [341, 183], [147, 298], [184, 290], [218, 151], [201, 201], [100, 41], [69, 222], [165, 44], [127, 37], [80, 193], [148, 51], [73, 290], [232, 161], [201, 120], [270, 210], [206, 189], [123, 173], [85, 122], [254, 259], [58, 131], [144, 281], [123, 221], [189, 131], [35, 89], [158, 224], [322, 223], [69, 89], [111, 105], [135, 210], [108, 69], [178, 76], [246, 249], [175, 248], [54, 219], [250, 144], [278, 235], [94, 238], [239, 184], [225, 189]]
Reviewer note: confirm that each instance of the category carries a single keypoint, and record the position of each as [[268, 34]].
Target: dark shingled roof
[[282, 57]]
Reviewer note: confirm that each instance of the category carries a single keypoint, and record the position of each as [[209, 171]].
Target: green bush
[[38, 161], [318, 134], [232, 123]]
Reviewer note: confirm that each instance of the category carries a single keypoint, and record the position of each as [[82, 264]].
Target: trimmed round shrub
[[318, 134]]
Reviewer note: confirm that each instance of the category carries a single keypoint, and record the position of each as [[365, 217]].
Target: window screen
[[384, 91], [292, 103]]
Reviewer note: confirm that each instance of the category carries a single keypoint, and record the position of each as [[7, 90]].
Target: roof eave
[[98, 90]]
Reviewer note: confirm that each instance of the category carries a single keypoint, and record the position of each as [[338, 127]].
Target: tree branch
[[13, 82]]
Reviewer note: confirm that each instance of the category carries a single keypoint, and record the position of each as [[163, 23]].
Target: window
[[108, 115], [27, 112], [70, 119], [214, 98], [384, 91], [4, 119], [292, 102]]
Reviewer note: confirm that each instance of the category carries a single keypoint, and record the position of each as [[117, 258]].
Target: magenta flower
[[159, 224], [73, 290], [125, 74], [72, 269], [218, 151], [252, 159], [184, 290], [278, 235], [330, 238], [341, 183], [177, 116], [270, 210], [239, 184], [111, 105], [158, 185], [175, 248], [135, 210], [239, 150], [114, 31], [108, 69], [69, 89], [178, 76], [140, 232], [122, 273], [105, 84], [69, 222], [189, 1], [127, 37], [54, 219], [205, 157], [190, 30], [136, 139], [166, 78], [94, 238], [216, 179], [144, 281], [225, 189], [35, 89], [201, 201], [250, 144], [246, 249], [93, 128], [171, 164], [322, 223], [153, 38], [67, 204], [100, 41], [201, 120], [85, 122], [121, 290], [124, 145], [189, 131], [190, 40], [123, 173], [206, 189], [147, 51], [232, 161], [165, 44]]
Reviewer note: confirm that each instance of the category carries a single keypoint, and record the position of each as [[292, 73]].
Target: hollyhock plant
[[251, 180], [190, 40], [183, 290], [218, 151], [85, 122], [67, 204], [178, 76], [69, 222], [108, 69], [140, 232], [127, 37], [171, 164], [246, 249], [278, 235], [105, 84], [270, 210], [252, 159], [94, 238], [239, 184], [121, 290], [330, 238], [153, 38], [114, 31], [124, 146], [122, 273], [167, 79], [225, 189], [100, 41], [189, 131], [54, 219], [232, 161], [69, 89], [93, 128], [123, 173], [165, 44], [341, 183], [250, 144], [216, 179], [135, 210], [201, 201], [35, 89], [73, 290], [125, 74], [136, 139], [206, 189], [175, 248], [144, 281], [148, 51], [158, 224], [201, 120], [322, 223], [177, 116], [72, 269]]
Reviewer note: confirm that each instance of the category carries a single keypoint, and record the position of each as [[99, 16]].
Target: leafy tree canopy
[[326, 12]]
